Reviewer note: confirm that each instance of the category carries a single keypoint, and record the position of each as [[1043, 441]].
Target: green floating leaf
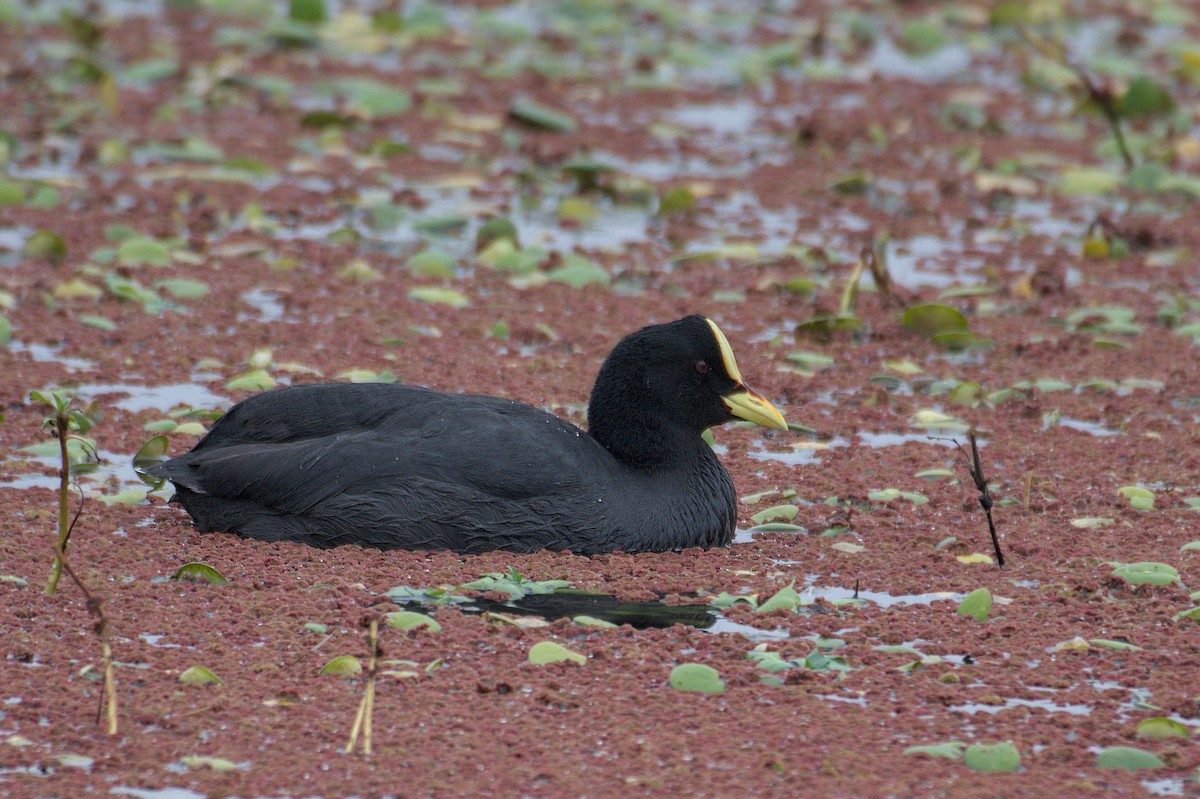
[[551, 652], [591, 621], [977, 604], [951, 750], [728, 600], [1146, 573], [200, 675], [11, 192], [783, 599], [199, 572], [433, 263], [142, 251], [577, 271], [676, 200], [696, 677], [183, 288], [5, 329], [342, 665], [1190, 546], [922, 37], [851, 183], [542, 117], [1128, 758], [1088, 181], [45, 244], [411, 620], [255, 380], [1108, 643], [1161, 727], [130, 496], [371, 99], [934, 318], [776, 513], [439, 296], [1191, 613], [1139, 498], [992, 757]]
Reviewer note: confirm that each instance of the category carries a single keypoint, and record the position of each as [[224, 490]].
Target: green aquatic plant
[[69, 424]]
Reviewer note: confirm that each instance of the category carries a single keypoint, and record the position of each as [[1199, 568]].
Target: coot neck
[[648, 444]]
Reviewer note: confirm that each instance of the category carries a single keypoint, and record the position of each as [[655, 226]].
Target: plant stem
[[366, 708], [95, 606], [61, 427]]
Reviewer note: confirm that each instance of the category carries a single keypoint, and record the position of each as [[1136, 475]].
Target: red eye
[[702, 367]]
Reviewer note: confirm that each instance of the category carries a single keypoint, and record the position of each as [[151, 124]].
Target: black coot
[[402, 466]]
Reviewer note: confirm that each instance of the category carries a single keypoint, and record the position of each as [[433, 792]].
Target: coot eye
[[702, 367]]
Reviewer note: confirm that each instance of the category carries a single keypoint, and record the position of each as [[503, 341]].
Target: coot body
[[396, 466]]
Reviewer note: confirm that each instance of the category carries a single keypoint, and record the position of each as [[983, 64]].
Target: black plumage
[[402, 466]]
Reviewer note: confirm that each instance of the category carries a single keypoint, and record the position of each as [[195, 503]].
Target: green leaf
[[183, 288], [45, 244], [371, 99], [433, 263], [951, 750], [992, 757], [934, 318], [551, 652], [142, 251], [696, 677], [199, 572], [591, 621], [776, 513], [11, 192], [1191, 613], [200, 675], [254, 380], [977, 604], [1146, 573], [675, 200], [1084, 180], [542, 117], [1107, 643], [5, 329], [1144, 97], [577, 271], [439, 296], [1139, 498], [130, 496], [783, 599], [342, 665], [924, 36], [1161, 727], [1128, 758], [307, 11], [411, 620]]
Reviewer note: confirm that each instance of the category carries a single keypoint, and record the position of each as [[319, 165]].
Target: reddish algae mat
[[912, 221]]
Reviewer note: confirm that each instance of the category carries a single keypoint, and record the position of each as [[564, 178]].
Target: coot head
[[667, 383]]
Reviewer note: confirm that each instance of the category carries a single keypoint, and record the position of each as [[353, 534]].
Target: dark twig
[[975, 467], [1101, 96]]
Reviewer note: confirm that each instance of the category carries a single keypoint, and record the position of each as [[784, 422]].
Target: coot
[[401, 466]]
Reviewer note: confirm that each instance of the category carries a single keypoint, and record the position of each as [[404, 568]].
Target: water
[[164, 398], [1043, 704], [1092, 428], [44, 353]]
